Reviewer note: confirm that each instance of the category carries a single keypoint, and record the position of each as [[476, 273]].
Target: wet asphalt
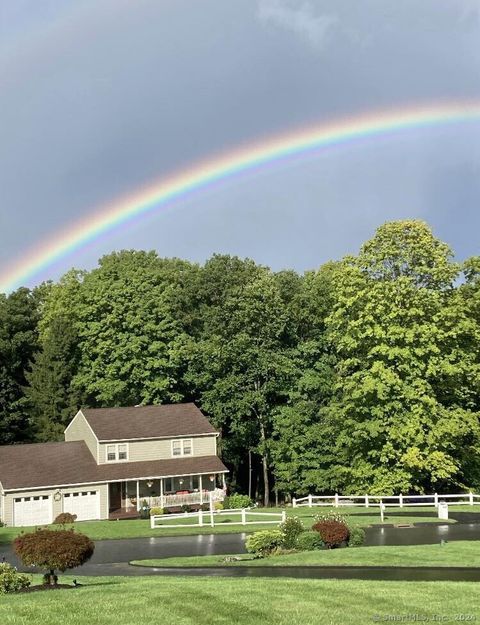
[[111, 557]]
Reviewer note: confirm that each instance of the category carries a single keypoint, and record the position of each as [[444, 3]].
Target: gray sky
[[98, 97]]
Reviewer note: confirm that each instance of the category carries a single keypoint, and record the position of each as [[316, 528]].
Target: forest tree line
[[361, 376]]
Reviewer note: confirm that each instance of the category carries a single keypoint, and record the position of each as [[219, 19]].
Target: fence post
[[152, 522], [294, 503], [470, 496], [212, 523], [309, 501], [367, 503], [400, 499], [435, 500], [336, 500], [244, 516], [284, 516], [200, 517]]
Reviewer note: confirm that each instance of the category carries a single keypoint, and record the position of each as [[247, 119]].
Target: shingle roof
[[62, 464], [147, 421]]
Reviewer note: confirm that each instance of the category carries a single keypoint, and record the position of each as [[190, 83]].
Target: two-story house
[[112, 460]]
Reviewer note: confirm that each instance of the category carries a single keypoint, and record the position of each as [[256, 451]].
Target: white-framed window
[[182, 447], [117, 452]]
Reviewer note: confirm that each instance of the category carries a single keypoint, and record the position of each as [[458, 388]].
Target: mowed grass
[[243, 601], [459, 553], [140, 528]]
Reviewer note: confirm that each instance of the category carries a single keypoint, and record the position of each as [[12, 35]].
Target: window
[[182, 447], [117, 452]]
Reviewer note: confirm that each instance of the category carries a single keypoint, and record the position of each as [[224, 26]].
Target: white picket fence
[[392, 501], [246, 516]]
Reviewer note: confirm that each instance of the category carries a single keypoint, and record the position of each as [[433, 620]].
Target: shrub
[[357, 536], [53, 549], [235, 500], [11, 580], [218, 505], [291, 528], [65, 518], [309, 541], [156, 511], [332, 532], [264, 542], [186, 508], [144, 510]]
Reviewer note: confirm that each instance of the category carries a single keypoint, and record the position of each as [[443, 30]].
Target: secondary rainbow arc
[[160, 193]]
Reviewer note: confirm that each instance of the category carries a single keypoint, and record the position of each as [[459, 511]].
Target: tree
[[131, 343], [301, 439], [402, 409], [242, 368], [53, 550], [50, 395], [18, 342]]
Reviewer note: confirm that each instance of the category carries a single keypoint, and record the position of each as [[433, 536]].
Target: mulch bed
[[38, 587]]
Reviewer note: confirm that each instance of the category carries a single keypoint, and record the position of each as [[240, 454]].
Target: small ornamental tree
[[53, 549]]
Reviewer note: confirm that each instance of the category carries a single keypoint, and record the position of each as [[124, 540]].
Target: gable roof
[[40, 465], [140, 422]]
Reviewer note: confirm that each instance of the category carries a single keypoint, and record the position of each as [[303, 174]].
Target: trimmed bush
[[309, 541], [332, 532], [357, 536], [65, 518], [218, 505], [11, 580], [156, 511], [53, 549], [235, 500], [291, 528], [264, 542], [186, 508]]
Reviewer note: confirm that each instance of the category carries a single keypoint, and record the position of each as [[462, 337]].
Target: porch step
[[115, 515]]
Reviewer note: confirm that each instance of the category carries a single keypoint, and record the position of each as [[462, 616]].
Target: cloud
[[301, 19]]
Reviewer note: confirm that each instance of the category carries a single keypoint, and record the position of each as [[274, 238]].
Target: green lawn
[[458, 553], [137, 528], [243, 601]]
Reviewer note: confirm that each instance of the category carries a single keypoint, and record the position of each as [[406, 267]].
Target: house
[[111, 461]]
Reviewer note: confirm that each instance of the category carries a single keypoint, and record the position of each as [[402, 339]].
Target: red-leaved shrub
[[53, 549], [333, 533]]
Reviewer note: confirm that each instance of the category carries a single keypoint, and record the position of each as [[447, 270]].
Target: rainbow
[[201, 175]]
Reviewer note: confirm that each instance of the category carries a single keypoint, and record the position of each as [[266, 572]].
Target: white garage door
[[32, 510], [85, 504]]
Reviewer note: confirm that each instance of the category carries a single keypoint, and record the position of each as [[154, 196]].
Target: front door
[[115, 495]]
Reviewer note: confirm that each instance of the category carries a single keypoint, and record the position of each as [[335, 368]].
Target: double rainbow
[[201, 175]]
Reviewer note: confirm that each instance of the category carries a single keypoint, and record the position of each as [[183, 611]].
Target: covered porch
[[127, 497]]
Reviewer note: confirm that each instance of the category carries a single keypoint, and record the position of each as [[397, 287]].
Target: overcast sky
[[99, 97]]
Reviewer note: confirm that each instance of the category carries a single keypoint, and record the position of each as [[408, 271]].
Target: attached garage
[[34, 510], [85, 504]]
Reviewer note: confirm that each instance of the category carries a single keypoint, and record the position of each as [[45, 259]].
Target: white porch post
[[138, 496], [200, 488], [224, 484], [161, 492], [126, 494]]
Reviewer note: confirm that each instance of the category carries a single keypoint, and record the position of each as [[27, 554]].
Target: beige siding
[[57, 505], [161, 449], [79, 430]]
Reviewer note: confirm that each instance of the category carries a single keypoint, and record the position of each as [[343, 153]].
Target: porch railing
[[186, 499]]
